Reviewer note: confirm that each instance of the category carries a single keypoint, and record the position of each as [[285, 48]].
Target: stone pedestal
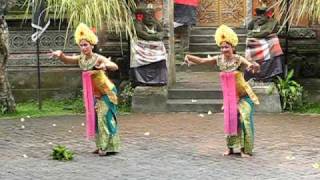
[[268, 96], [311, 87], [149, 99]]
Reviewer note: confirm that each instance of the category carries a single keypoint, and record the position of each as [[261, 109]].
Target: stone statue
[[262, 24], [148, 28], [148, 53], [263, 46]]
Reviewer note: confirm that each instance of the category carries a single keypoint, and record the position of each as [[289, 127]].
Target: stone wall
[[304, 56], [57, 79]]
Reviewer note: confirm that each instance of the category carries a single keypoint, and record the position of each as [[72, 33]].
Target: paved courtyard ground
[[162, 146]]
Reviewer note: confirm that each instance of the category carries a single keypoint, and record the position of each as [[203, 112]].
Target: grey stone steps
[[180, 67], [207, 38], [194, 105], [194, 94], [212, 30], [211, 53], [194, 80], [205, 47]]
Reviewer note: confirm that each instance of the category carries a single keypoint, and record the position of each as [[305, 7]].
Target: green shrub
[[125, 98], [290, 92], [61, 153]]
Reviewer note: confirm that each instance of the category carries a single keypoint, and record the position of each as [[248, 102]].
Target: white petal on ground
[[82, 124], [25, 156], [22, 119], [290, 157], [147, 133], [69, 131], [54, 125], [209, 112], [316, 165], [193, 100], [28, 116], [22, 127], [201, 115], [50, 143]]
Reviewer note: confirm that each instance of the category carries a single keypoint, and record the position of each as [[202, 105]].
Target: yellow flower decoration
[[226, 34], [83, 32]]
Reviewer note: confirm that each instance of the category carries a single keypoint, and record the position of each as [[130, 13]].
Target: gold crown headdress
[[226, 34], [83, 32]]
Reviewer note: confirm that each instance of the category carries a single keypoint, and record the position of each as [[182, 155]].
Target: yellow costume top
[[243, 88], [102, 85]]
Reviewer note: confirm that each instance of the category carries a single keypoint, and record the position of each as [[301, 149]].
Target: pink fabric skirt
[[88, 98], [228, 85]]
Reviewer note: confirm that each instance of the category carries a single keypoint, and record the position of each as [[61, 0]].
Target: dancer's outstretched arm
[[64, 58], [191, 59]]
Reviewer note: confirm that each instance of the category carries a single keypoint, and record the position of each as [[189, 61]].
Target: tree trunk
[[7, 103]]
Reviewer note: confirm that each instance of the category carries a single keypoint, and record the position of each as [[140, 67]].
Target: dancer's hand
[[254, 67], [187, 61], [55, 54], [100, 66]]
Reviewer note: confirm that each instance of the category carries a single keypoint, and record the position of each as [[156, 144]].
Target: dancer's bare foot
[[95, 151], [228, 152], [244, 155], [102, 153]]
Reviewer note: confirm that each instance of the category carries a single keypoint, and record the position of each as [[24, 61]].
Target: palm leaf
[[110, 15], [297, 10]]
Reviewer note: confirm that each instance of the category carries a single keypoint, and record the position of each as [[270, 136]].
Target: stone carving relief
[[233, 12], [208, 12], [299, 33], [23, 50], [217, 12]]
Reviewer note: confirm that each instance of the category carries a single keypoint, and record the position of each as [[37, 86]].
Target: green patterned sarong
[[245, 138], [107, 138]]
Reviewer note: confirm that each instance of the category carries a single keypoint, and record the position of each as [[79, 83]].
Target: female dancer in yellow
[[238, 95], [99, 92]]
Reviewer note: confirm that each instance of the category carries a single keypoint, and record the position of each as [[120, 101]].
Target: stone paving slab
[[179, 146]]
